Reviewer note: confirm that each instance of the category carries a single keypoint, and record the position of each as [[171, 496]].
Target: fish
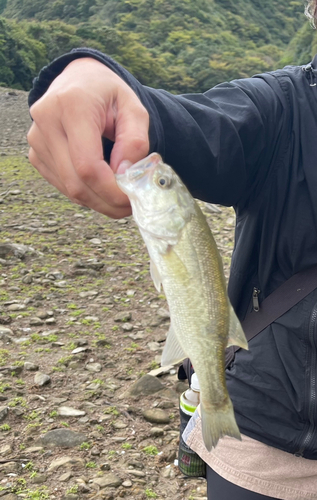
[[185, 261]]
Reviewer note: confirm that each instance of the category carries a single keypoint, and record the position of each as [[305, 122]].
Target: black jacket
[[252, 144]]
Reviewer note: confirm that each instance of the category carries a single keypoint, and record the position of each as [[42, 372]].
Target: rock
[[127, 327], [90, 293], [94, 367], [160, 371], [123, 316], [28, 279], [163, 313], [136, 473], [34, 449], [39, 479], [9, 467], [92, 318], [119, 425], [109, 480], [74, 365], [95, 241], [10, 496], [65, 477], [155, 346], [146, 386], [19, 251], [3, 413], [156, 416], [6, 450], [41, 379], [36, 322], [69, 462], [156, 432], [16, 307], [68, 411], [5, 331], [80, 349], [127, 483], [42, 314], [31, 367], [50, 321], [180, 387], [63, 437]]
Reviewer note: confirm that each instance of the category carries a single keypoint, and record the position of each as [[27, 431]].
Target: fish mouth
[[136, 172]]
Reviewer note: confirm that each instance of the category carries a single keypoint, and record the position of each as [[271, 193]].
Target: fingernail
[[123, 166]]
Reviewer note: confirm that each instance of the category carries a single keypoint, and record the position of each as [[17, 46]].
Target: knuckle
[[83, 169], [76, 193]]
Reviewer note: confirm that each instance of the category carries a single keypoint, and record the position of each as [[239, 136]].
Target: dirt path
[[80, 325]]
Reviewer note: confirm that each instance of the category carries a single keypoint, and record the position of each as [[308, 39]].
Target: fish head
[[161, 203]]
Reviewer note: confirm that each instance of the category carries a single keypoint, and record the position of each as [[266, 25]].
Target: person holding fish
[[249, 144]]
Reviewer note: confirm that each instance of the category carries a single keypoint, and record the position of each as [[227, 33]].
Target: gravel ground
[[81, 326]]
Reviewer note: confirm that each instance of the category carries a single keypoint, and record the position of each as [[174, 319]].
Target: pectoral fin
[[236, 333], [155, 275], [172, 353]]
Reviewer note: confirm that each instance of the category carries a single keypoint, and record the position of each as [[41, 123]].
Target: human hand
[[85, 102]]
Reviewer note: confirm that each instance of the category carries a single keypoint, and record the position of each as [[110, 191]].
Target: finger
[[79, 191], [131, 134], [45, 172], [86, 155], [37, 142]]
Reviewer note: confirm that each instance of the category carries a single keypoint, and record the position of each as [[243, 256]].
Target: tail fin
[[217, 424]]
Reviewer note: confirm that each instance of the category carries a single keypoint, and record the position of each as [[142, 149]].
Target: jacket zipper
[[308, 69], [255, 299], [312, 386]]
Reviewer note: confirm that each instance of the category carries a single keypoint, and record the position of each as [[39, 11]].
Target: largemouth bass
[[186, 261]]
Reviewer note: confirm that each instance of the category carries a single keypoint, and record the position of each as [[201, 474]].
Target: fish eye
[[163, 181]]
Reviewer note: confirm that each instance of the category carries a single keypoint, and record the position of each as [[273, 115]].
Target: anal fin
[[173, 353], [236, 333]]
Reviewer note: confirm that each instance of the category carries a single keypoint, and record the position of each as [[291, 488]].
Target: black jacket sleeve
[[220, 142]]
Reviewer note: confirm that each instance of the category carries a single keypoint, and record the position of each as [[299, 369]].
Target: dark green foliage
[[180, 45]]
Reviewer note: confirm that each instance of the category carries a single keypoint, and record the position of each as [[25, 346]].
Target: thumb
[[131, 135], [124, 165]]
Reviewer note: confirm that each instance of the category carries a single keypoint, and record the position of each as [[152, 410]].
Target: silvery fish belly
[[186, 261]]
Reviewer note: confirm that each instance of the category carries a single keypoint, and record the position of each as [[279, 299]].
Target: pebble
[[5, 331], [136, 473], [16, 307], [95, 241], [10, 467], [146, 386], [39, 479], [10, 496], [108, 480], [65, 477], [36, 321], [127, 483], [93, 367], [90, 293], [65, 438], [127, 327], [156, 416], [41, 379], [31, 367], [156, 432], [123, 316], [6, 450], [80, 349], [68, 411], [162, 370], [3, 413], [69, 462]]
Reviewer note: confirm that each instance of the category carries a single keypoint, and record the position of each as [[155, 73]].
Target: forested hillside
[[180, 45]]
